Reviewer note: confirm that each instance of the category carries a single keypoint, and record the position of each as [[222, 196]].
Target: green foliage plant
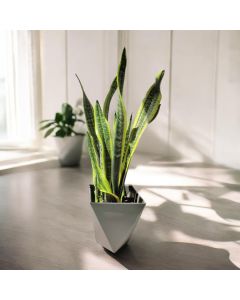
[[111, 149], [64, 122]]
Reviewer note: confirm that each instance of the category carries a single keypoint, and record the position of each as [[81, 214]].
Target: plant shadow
[[155, 247], [172, 256]]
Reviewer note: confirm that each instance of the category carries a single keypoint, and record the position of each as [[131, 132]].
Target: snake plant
[[111, 149]]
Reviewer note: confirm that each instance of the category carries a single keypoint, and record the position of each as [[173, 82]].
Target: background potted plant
[[67, 132], [116, 207]]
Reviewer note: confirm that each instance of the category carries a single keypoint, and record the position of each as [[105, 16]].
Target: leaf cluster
[[63, 123], [111, 148]]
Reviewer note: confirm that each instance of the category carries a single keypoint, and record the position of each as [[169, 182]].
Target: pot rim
[[118, 203], [139, 198]]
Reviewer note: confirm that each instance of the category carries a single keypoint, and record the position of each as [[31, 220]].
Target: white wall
[[93, 56], [90, 54], [146, 58], [200, 113], [227, 141], [53, 70], [194, 59]]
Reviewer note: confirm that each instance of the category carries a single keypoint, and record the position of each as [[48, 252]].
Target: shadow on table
[[149, 247], [173, 256]]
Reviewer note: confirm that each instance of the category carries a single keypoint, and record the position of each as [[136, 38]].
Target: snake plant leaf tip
[[111, 148]]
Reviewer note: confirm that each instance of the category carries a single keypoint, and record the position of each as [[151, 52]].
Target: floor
[[192, 219]]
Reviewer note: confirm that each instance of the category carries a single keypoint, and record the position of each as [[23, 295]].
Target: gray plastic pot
[[69, 150], [114, 223]]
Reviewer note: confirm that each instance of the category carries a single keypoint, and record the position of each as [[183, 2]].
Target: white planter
[[114, 223], [69, 150]]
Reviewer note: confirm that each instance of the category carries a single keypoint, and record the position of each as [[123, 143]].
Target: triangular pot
[[115, 222]]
